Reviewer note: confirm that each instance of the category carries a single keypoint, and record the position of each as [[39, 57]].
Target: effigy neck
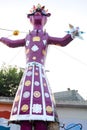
[[38, 27]]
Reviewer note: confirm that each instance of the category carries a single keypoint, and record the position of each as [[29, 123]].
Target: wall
[[5, 110], [72, 115]]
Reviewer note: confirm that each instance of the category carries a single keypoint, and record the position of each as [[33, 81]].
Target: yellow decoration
[[49, 109], [36, 39], [28, 83], [34, 58], [38, 6], [36, 73], [24, 108], [17, 98], [16, 32], [27, 51], [44, 84], [30, 68], [37, 94], [44, 52]]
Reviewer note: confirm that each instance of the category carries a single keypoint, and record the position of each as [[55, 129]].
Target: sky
[[66, 66]]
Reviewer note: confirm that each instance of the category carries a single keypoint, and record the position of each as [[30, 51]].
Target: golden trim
[[36, 39]]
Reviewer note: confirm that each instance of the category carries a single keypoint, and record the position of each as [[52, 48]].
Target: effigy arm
[[60, 41], [12, 43]]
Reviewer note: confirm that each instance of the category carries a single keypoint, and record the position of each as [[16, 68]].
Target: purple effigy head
[[38, 15]]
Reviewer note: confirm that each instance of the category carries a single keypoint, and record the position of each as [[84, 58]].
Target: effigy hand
[[75, 32]]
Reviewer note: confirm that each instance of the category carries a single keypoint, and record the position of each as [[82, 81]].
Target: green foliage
[[9, 80]]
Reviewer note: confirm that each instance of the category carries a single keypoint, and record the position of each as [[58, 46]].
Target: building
[[5, 110], [5, 107], [71, 109]]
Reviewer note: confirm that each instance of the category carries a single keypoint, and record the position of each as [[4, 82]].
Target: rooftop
[[69, 95], [70, 98]]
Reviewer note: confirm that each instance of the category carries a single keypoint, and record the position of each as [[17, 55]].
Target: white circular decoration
[[15, 109], [36, 83], [37, 108], [35, 48], [42, 60], [29, 73], [26, 94], [36, 68], [46, 95]]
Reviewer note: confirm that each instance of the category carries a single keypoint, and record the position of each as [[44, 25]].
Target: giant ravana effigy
[[33, 106]]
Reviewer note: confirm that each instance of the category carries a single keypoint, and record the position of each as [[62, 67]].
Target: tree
[[9, 80]]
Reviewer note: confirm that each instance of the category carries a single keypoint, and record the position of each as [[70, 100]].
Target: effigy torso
[[33, 99], [36, 46]]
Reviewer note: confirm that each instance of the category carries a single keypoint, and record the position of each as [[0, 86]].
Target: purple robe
[[33, 100]]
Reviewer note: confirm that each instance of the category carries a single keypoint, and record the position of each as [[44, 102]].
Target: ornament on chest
[[36, 39]]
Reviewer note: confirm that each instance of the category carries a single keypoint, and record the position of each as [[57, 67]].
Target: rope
[[72, 57], [11, 30], [15, 56]]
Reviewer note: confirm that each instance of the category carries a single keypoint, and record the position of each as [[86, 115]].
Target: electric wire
[[14, 57]]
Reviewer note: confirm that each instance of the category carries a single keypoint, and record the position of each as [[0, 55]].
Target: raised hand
[[75, 32]]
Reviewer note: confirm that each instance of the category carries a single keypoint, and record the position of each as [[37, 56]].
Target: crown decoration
[[40, 9]]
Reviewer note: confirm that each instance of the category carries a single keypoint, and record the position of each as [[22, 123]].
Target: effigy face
[[38, 16], [38, 20]]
